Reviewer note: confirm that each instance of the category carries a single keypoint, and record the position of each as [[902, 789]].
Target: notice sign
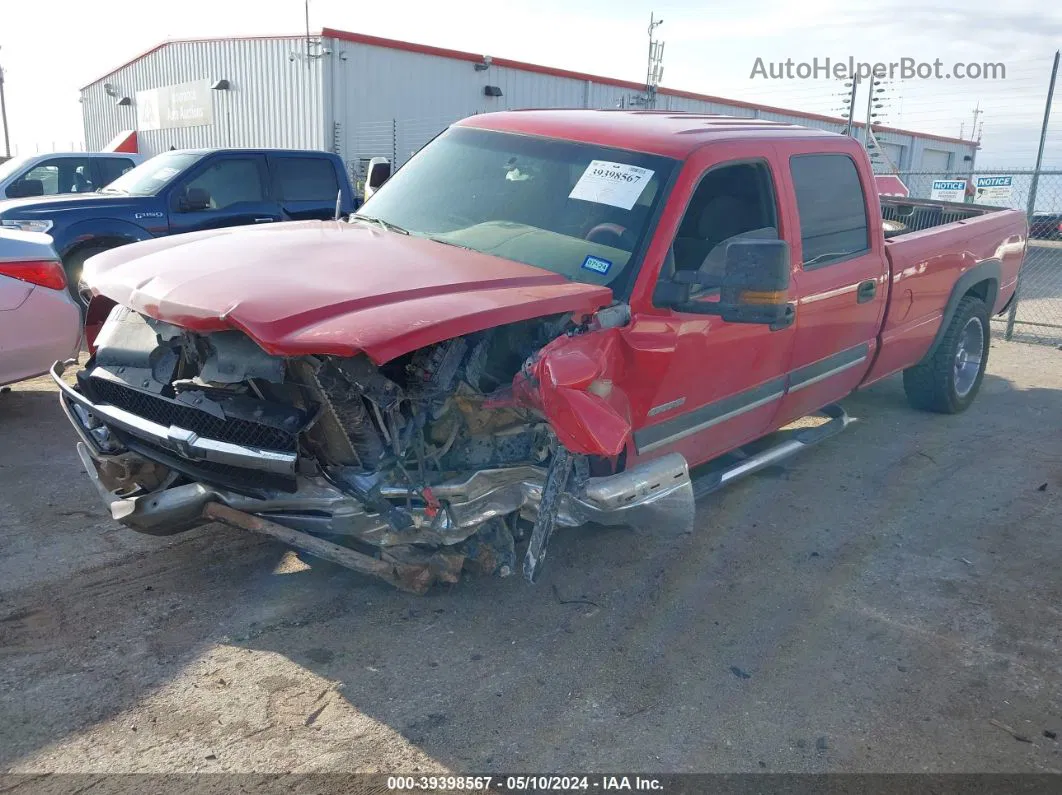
[[181, 105], [948, 190], [993, 190], [616, 184]]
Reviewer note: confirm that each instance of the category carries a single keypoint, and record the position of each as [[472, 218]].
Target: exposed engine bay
[[437, 461]]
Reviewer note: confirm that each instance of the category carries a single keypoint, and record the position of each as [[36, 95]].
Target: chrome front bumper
[[656, 494], [180, 441]]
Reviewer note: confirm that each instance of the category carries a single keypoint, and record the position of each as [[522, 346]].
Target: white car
[[62, 172], [39, 321]]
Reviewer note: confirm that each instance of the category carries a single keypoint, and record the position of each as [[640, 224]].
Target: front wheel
[[948, 381]]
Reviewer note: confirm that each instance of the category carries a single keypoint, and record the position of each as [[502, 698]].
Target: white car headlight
[[27, 225]]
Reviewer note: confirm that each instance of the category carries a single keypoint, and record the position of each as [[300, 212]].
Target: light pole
[[650, 70], [3, 116], [850, 129]]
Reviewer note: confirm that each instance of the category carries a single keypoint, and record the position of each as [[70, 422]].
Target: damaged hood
[[330, 287]]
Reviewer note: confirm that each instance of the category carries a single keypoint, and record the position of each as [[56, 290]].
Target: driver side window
[[732, 202], [228, 182]]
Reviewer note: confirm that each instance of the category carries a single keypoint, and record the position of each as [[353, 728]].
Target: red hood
[[330, 287]]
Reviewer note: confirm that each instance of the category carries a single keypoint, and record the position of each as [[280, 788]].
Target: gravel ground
[[890, 601]]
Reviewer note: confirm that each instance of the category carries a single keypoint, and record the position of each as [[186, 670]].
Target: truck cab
[[186, 191], [807, 195]]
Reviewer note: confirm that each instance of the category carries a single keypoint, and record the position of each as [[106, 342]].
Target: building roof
[[657, 132], [168, 42], [425, 49]]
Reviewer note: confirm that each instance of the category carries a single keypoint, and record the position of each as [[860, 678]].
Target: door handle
[[264, 220], [866, 292]]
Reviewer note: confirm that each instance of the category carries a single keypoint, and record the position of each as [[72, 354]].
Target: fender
[[570, 382], [95, 228], [989, 270]]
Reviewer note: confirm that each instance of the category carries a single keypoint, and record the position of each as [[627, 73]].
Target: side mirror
[[193, 200], [25, 188], [378, 173], [754, 287]]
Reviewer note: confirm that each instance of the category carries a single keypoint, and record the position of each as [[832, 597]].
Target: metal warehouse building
[[362, 97]]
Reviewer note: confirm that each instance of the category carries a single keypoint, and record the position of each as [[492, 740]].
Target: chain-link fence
[[1037, 313]]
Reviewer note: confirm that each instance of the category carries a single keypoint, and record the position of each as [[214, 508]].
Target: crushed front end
[[432, 461]]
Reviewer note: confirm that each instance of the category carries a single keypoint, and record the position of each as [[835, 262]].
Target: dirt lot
[[873, 605]]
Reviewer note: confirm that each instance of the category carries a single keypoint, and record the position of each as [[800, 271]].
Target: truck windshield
[[153, 175], [576, 209]]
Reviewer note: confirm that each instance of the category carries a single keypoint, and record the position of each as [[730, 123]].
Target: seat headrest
[[721, 216]]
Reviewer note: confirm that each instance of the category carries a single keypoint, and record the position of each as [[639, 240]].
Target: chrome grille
[[166, 412]]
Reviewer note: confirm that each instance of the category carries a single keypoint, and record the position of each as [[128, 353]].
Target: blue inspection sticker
[[596, 264]]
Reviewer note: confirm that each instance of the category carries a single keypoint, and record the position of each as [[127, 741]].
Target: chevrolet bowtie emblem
[[182, 440]]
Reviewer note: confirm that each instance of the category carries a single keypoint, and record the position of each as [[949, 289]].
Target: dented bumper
[[657, 493]]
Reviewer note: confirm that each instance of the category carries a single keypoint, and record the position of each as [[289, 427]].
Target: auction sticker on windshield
[[615, 184]]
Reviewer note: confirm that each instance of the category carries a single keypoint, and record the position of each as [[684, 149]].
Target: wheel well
[[986, 290], [95, 242]]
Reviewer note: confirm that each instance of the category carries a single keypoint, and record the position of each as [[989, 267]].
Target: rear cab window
[[304, 179], [832, 208]]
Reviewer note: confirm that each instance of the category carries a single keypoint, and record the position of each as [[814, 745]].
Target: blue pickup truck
[[186, 191]]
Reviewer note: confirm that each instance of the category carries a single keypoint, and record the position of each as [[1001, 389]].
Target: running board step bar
[[793, 442]]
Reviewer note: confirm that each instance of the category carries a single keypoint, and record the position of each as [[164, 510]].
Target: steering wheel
[[614, 230]]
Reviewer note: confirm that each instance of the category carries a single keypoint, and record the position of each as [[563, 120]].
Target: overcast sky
[[49, 48]]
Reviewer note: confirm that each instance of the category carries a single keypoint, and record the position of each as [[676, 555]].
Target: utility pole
[[1032, 188], [851, 106], [653, 70], [3, 116], [976, 112], [870, 106], [874, 91]]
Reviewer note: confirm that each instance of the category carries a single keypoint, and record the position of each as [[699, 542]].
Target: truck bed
[[914, 215], [941, 243]]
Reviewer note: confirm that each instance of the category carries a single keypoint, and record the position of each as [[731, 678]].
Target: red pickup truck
[[545, 318]]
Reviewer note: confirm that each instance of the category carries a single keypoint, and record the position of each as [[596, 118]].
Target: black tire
[[949, 380], [75, 263]]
